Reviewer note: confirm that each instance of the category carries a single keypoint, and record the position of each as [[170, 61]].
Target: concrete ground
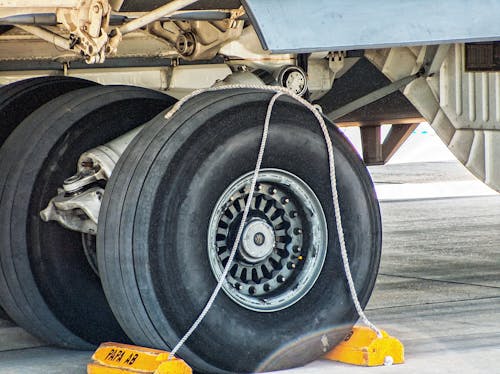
[[438, 290]]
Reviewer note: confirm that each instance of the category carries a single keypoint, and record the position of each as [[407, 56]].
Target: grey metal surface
[[305, 26], [439, 288]]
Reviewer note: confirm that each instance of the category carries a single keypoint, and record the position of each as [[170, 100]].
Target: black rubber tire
[[46, 284], [152, 236], [19, 99]]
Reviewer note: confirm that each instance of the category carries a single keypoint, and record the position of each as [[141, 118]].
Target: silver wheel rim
[[283, 246]]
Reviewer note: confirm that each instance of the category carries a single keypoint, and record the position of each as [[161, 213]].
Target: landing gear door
[[332, 25]]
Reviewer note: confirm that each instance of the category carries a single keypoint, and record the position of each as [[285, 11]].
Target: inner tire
[[19, 99], [153, 246], [46, 284]]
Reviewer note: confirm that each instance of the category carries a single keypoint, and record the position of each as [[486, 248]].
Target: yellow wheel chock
[[364, 348], [115, 358], [361, 347]]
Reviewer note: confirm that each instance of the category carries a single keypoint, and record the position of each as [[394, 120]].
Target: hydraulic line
[[47, 35], [155, 15]]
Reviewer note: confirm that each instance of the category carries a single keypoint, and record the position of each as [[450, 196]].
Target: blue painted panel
[[320, 25]]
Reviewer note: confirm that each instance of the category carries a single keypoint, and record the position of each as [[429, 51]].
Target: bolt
[[259, 239], [258, 187], [297, 231], [251, 290], [293, 214], [267, 287], [296, 248], [185, 44], [281, 278], [291, 265], [388, 361], [272, 190], [238, 286], [285, 200]]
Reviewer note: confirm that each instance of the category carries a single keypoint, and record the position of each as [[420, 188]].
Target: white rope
[[279, 91], [240, 229]]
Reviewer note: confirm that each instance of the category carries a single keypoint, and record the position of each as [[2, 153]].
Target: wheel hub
[[257, 241], [282, 248]]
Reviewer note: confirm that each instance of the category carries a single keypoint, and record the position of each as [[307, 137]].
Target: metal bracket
[[76, 207], [78, 212], [88, 24]]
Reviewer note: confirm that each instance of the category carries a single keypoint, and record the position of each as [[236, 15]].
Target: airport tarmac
[[438, 289]]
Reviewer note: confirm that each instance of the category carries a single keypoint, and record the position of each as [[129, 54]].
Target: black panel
[[147, 5], [482, 56], [359, 81]]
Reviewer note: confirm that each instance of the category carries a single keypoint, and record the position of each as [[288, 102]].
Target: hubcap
[[283, 244], [257, 241]]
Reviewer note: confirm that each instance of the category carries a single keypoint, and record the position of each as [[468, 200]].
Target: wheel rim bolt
[[258, 187], [251, 290], [272, 190], [281, 278], [267, 287], [293, 214], [297, 231], [291, 265], [238, 286], [285, 200], [296, 248]]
